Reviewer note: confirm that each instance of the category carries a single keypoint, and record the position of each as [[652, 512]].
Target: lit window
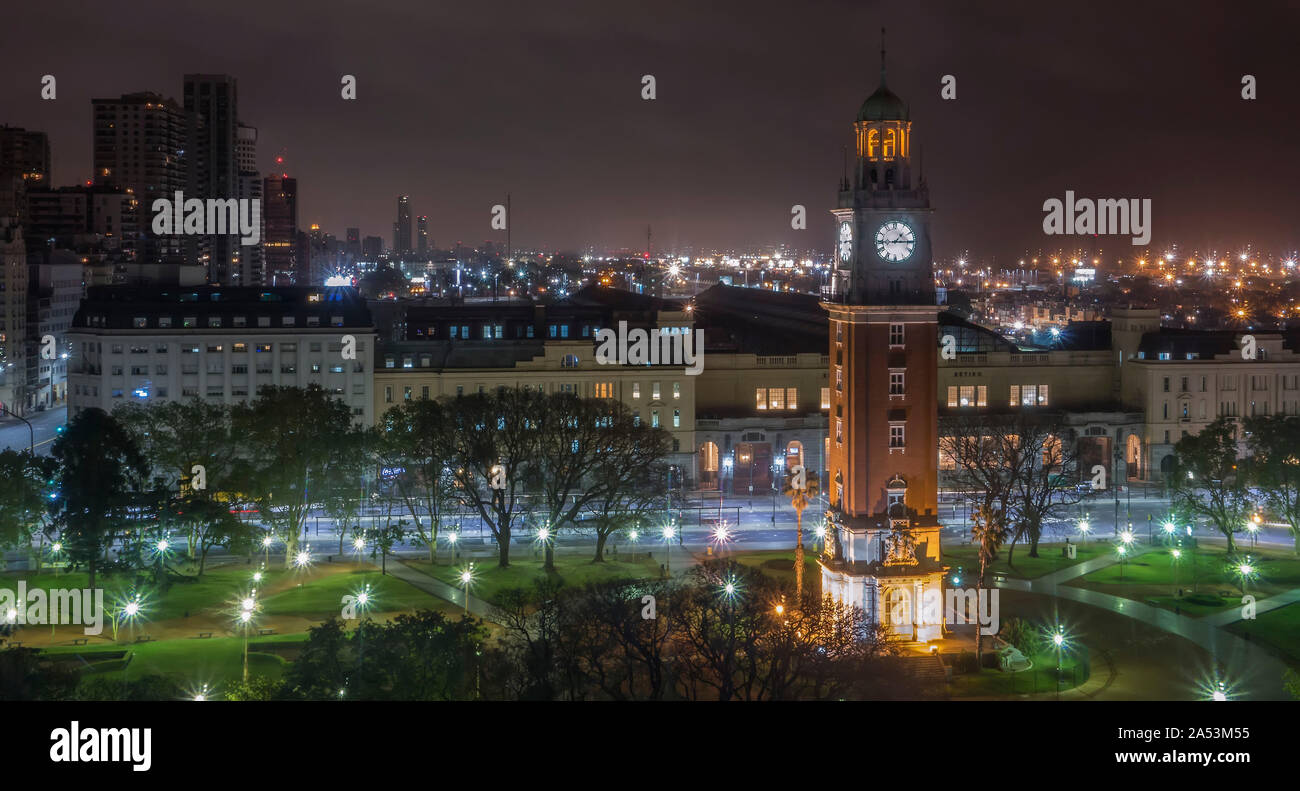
[[826, 398], [760, 397]]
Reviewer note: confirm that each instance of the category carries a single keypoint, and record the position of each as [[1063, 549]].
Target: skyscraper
[[252, 260], [422, 235], [280, 213], [212, 111], [402, 228], [139, 147], [24, 164], [882, 552]]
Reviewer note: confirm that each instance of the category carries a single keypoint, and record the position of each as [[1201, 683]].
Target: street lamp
[[466, 580], [1245, 570], [668, 533], [247, 608], [1084, 527], [452, 537], [266, 545], [1058, 640], [1121, 550], [1175, 555]]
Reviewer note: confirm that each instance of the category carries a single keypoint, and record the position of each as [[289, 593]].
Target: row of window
[[217, 368], [776, 398], [217, 322], [1229, 382], [287, 347]]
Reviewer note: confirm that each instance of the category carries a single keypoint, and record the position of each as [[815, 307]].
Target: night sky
[[462, 102]]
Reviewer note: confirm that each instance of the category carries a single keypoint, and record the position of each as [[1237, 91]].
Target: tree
[[102, 474], [987, 454], [627, 479], [1209, 482], [175, 438], [570, 437], [26, 483], [800, 497], [494, 442], [1274, 442], [1047, 461], [418, 437], [291, 439]]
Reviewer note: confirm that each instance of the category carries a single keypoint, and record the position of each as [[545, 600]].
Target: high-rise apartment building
[[280, 241], [212, 164], [402, 228]]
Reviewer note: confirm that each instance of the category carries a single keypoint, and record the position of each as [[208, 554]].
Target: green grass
[[1209, 569], [322, 597], [779, 563], [185, 594], [1037, 680], [211, 661], [1202, 575], [576, 570], [1277, 629], [1050, 559]]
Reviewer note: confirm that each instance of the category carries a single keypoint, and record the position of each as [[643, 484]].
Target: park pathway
[[1252, 667], [440, 589]]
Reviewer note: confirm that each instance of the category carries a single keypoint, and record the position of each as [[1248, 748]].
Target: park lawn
[[1150, 577], [191, 661], [779, 564], [186, 594], [1277, 629], [1209, 568], [1037, 680], [575, 570], [322, 597], [966, 557]]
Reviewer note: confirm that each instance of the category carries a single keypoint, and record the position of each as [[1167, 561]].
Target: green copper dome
[[883, 105]]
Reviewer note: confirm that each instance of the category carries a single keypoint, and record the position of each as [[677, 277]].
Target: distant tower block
[[882, 546]]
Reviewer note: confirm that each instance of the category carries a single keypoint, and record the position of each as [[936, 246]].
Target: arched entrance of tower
[[898, 610], [708, 466]]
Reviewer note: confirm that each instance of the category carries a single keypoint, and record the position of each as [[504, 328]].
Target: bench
[[80, 641], [265, 632], [144, 638], [204, 635]]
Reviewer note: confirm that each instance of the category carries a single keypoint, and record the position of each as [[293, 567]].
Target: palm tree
[[799, 499], [989, 530]]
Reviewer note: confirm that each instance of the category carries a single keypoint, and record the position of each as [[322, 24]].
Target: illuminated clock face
[[846, 242], [895, 241]]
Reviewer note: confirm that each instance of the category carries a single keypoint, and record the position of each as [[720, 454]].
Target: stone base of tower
[[907, 600]]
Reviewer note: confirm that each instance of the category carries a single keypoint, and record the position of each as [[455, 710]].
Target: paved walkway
[[442, 590], [1254, 668]]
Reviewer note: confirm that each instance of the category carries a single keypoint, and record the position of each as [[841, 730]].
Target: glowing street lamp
[[266, 545], [669, 532], [127, 611], [1084, 527], [466, 580], [1245, 570], [452, 537], [201, 694], [1058, 641], [1122, 551], [302, 559]]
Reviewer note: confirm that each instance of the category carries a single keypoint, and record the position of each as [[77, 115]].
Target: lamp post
[[467, 579], [1121, 550], [1174, 555], [1058, 640], [668, 533], [266, 545]]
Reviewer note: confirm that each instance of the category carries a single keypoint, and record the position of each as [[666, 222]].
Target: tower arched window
[[873, 139], [890, 146]]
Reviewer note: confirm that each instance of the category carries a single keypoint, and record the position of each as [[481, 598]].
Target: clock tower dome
[[882, 550]]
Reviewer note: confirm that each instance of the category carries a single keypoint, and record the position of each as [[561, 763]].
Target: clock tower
[[882, 547]]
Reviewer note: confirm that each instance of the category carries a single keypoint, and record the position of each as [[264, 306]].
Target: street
[[15, 435]]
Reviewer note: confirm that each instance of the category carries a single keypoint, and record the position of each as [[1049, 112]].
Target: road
[[14, 433]]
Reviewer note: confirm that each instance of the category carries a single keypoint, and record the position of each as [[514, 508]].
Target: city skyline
[[553, 114]]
